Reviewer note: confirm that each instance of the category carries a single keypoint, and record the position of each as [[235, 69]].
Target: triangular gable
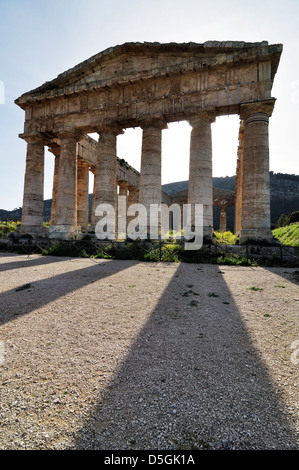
[[121, 64]]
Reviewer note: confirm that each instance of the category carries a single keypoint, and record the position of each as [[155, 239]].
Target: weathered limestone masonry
[[200, 186], [149, 85], [222, 198]]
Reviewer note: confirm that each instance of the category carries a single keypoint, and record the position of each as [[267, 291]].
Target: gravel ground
[[104, 354]]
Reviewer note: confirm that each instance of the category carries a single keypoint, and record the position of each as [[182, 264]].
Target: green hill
[[284, 198], [288, 235]]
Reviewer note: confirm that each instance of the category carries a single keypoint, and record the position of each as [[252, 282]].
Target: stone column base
[[207, 234], [92, 232], [64, 232], [36, 231], [259, 235]]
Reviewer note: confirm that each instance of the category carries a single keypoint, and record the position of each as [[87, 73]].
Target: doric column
[[55, 149], [133, 198], [255, 218], [106, 168], [150, 187], [93, 200], [122, 208], [200, 188], [239, 180], [82, 194], [123, 188], [33, 200], [66, 196], [222, 225]]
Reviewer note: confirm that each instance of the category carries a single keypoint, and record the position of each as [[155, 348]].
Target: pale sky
[[40, 39]]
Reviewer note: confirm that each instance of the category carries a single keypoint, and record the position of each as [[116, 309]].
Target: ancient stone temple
[[149, 85]]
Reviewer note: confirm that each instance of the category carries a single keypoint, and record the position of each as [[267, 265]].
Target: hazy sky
[[41, 38]]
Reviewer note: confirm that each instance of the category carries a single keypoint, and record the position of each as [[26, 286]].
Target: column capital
[[201, 117], [123, 184], [83, 162], [55, 149], [35, 137], [258, 107], [153, 122], [109, 128], [133, 188], [73, 134]]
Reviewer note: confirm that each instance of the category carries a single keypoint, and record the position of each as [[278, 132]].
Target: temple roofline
[[207, 48]]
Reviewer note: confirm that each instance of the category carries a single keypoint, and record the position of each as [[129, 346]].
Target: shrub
[[283, 220], [59, 248], [225, 238], [7, 227], [102, 255], [294, 217], [166, 253], [236, 260]]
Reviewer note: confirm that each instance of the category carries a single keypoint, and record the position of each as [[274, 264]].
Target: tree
[[283, 220], [294, 217]]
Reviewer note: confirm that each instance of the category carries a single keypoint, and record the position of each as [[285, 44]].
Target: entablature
[[134, 82]]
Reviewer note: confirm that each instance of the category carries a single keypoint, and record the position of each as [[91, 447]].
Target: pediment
[[133, 62]]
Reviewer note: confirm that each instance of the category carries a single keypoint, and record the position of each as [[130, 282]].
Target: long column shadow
[[27, 261], [192, 379], [288, 274], [18, 301]]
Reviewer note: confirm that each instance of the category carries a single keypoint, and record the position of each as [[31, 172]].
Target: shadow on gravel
[[192, 379], [34, 295], [27, 262], [290, 274]]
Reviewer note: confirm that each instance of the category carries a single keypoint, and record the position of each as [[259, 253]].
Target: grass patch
[[65, 249], [289, 235], [23, 287], [235, 260], [225, 238], [152, 252], [212, 294], [167, 253], [189, 292], [142, 251], [256, 289]]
